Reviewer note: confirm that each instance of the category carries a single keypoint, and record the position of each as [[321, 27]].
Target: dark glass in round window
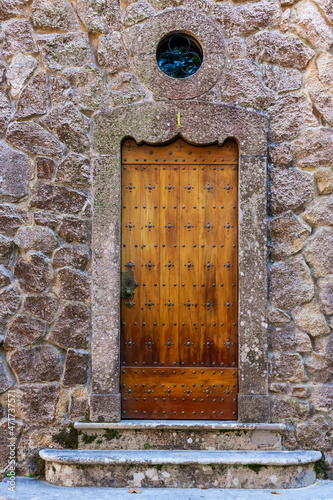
[[179, 55]]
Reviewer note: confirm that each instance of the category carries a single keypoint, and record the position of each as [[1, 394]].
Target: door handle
[[128, 285]]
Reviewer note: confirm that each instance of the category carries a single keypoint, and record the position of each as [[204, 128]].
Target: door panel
[[179, 229]]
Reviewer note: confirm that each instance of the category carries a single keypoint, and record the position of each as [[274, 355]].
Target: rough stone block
[[137, 12], [73, 229], [6, 250], [32, 138], [44, 167], [59, 89], [300, 392], [42, 363], [314, 148], [287, 368], [37, 403], [76, 256], [317, 368], [78, 404], [12, 218], [10, 301], [37, 238], [288, 338], [43, 219], [319, 252], [311, 319], [60, 15], [290, 410], [58, 198], [70, 126], [5, 278], [313, 434], [324, 178], [327, 8], [34, 98], [241, 84], [89, 92], [320, 212], [18, 37], [320, 70], [72, 329], [43, 307], [23, 331], [7, 379], [282, 50], [291, 283], [281, 79], [33, 273], [112, 55], [100, 17], [76, 368], [324, 346], [277, 316], [247, 18], [126, 89], [322, 397], [13, 8], [290, 189], [63, 50], [21, 67], [74, 169], [289, 116], [5, 109], [288, 235], [72, 285], [308, 23], [325, 292], [16, 171]]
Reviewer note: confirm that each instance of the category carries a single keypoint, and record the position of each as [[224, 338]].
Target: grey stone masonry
[[76, 78]]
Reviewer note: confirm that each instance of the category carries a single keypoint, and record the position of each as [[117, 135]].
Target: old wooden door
[[179, 243]]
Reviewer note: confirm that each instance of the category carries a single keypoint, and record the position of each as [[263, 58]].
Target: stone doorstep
[[180, 424], [179, 435], [185, 469]]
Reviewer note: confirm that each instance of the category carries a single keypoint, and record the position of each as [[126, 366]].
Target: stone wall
[[63, 61]]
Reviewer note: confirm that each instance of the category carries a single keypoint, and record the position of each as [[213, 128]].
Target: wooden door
[[179, 241]]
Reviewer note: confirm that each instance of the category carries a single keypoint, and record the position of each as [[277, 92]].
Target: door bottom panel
[[179, 393]]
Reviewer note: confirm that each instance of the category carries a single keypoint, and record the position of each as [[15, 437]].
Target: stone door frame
[[201, 123]]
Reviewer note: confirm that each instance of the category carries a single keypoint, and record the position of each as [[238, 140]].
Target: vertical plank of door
[[131, 251], [169, 261], [189, 272], [150, 266], [208, 303], [227, 270]]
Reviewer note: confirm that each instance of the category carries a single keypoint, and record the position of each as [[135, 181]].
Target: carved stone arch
[[201, 123]]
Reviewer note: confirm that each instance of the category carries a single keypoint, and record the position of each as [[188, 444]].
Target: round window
[[179, 55]]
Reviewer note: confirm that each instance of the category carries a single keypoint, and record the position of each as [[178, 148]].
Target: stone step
[[180, 469], [179, 435]]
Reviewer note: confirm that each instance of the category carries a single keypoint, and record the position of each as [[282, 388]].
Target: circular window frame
[[186, 22], [193, 48]]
